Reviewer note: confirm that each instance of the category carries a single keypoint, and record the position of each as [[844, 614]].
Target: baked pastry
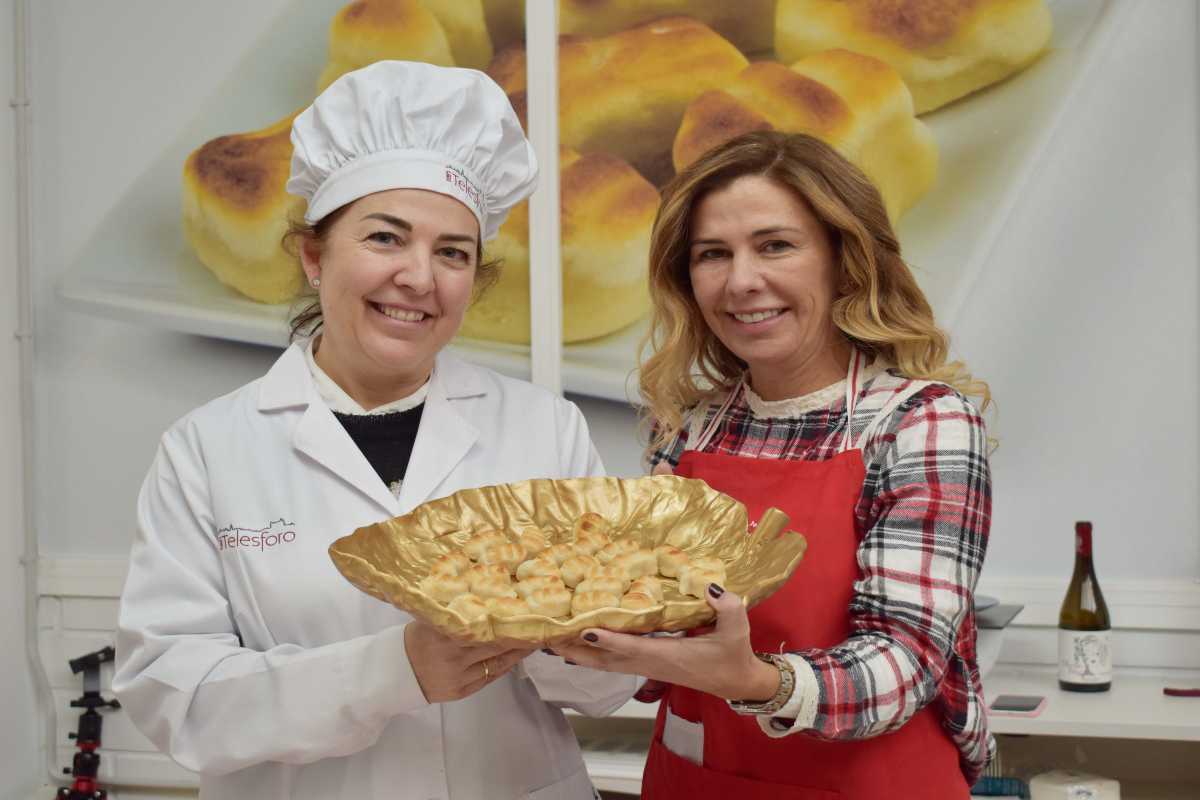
[[592, 543], [602, 583], [558, 553], [607, 210], [855, 103], [484, 572], [536, 566], [609, 571], [506, 606], [636, 564], [475, 546], [444, 32], [505, 22], [534, 540], [618, 548], [639, 601], [493, 586], [465, 25], [236, 211], [748, 24], [670, 560], [528, 586], [576, 568], [586, 601], [943, 49], [452, 563], [509, 554], [552, 601], [469, 607], [694, 580], [624, 94], [589, 524], [649, 585], [443, 588]]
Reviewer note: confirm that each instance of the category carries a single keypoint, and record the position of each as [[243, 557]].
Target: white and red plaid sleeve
[[925, 513]]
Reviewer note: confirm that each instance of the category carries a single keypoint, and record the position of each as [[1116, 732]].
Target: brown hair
[[879, 306], [307, 318]]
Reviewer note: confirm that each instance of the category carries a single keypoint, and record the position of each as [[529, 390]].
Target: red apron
[[918, 761]]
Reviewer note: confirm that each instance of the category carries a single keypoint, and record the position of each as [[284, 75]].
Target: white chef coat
[[247, 657]]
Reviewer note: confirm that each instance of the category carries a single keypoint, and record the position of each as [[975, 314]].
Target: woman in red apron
[[775, 274]]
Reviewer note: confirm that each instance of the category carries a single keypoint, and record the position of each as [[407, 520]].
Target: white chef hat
[[408, 125]]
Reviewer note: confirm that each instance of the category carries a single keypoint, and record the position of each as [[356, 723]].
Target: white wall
[[116, 81], [1085, 322], [18, 734]]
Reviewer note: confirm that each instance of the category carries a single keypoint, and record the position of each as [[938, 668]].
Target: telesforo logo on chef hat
[[458, 178], [408, 125], [398, 169]]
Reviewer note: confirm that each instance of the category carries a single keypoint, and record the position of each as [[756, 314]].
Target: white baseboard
[[1159, 605], [1148, 604], [1157, 621], [1162, 605], [1157, 625], [81, 577]]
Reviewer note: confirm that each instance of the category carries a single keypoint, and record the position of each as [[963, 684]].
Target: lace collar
[[813, 401], [336, 398]]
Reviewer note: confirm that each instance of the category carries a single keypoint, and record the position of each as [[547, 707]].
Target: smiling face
[[396, 269], [763, 275]]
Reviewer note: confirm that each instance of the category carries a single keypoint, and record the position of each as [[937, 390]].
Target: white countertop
[[1134, 708]]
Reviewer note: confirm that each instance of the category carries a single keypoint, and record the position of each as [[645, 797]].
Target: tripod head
[[86, 763]]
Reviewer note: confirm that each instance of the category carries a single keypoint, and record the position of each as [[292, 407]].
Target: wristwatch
[[787, 684]]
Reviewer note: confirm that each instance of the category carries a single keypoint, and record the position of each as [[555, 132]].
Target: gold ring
[[487, 671]]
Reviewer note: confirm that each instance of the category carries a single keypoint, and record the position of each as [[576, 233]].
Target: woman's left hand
[[720, 663]]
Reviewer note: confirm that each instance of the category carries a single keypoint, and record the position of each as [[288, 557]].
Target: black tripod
[[87, 738]]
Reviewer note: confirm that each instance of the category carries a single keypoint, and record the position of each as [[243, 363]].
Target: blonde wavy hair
[[879, 306]]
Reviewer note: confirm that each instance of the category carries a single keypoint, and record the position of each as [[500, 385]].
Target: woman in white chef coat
[[241, 651]]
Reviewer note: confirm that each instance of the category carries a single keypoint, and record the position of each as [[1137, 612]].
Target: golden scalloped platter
[[388, 560]]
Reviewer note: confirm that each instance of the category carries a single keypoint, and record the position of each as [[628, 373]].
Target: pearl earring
[[316, 282]]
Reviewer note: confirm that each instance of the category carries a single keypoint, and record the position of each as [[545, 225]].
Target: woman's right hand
[[448, 669]]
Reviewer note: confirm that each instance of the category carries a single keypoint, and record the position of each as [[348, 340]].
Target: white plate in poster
[[138, 267]]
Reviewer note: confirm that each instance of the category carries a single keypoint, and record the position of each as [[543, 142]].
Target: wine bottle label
[[1084, 657]]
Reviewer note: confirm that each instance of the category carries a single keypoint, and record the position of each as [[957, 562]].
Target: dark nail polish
[[570, 663], [715, 590], [548, 651], [591, 637]]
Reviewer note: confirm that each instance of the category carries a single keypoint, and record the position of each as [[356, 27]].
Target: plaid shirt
[[923, 519]]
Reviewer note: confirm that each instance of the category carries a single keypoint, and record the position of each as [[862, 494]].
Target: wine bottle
[[1084, 655]]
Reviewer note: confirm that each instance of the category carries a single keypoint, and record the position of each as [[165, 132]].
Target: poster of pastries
[[946, 105]]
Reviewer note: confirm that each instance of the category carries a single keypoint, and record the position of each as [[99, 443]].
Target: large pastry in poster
[[235, 211], [625, 94], [505, 22], [607, 211], [640, 96], [855, 103], [449, 33], [943, 49], [748, 24]]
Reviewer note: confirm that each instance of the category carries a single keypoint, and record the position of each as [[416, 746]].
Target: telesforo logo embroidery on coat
[[278, 532]]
